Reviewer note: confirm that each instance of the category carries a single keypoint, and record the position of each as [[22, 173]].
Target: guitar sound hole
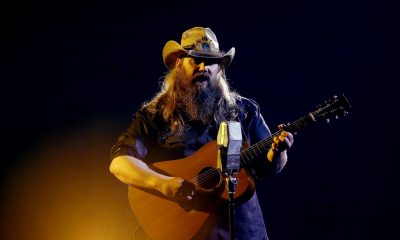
[[209, 178]]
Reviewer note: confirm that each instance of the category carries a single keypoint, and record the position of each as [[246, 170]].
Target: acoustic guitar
[[162, 218]]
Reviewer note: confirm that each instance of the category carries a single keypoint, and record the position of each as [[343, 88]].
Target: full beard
[[198, 98]]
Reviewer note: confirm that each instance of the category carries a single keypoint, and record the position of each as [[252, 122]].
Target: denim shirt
[[146, 139]]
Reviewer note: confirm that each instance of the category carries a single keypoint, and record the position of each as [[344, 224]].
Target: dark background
[[74, 73]]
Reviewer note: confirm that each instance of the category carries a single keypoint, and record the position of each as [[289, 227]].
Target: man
[[184, 116]]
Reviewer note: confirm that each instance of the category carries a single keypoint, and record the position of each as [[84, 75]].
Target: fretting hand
[[281, 143]]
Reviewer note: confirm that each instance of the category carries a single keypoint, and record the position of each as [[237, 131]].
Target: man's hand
[[281, 143], [177, 189]]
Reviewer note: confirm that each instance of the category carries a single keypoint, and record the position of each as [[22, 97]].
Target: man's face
[[199, 73], [198, 86]]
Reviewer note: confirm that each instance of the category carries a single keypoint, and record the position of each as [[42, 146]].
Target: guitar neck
[[338, 105], [247, 155]]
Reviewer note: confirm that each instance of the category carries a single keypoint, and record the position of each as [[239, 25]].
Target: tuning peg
[[337, 116], [328, 120]]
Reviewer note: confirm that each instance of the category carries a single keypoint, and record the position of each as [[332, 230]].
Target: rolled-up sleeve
[[131, 142]]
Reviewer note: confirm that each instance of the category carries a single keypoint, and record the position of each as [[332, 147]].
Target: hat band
[[194, 53]]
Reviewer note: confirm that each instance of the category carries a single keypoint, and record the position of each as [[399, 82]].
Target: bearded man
[[183, 117]]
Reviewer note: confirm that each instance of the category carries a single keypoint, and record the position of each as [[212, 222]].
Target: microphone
[[229, 140]]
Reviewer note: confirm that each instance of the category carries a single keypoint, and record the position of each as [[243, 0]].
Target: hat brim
[[173, 50]]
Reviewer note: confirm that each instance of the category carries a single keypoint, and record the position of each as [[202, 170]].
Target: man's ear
[[178, 60]]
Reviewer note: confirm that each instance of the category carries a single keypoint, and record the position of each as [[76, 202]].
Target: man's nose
[[202, 67]]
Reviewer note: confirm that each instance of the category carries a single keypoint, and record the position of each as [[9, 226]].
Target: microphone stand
[[231, 182]]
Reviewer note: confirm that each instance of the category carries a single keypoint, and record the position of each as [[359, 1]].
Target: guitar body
[[162, 218]]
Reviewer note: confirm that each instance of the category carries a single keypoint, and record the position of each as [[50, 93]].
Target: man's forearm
[[133, 171]]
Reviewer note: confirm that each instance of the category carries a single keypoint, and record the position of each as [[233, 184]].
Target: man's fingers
[[282, 127]]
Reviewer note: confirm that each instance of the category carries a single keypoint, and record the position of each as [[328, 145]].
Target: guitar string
[[267, 142], [203, 177]]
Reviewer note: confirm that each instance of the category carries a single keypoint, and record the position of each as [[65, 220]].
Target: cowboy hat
[[197, 42]]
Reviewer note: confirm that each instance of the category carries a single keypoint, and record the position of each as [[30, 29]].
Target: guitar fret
[[244, 157], [249, 154], [259, 148]]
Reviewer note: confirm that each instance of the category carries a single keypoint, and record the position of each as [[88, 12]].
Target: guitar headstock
[[335, 107]]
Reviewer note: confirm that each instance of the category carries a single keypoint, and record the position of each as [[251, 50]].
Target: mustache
[[201, 76]]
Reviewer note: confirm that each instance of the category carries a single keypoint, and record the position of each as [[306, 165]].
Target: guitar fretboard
[[261, 147]]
